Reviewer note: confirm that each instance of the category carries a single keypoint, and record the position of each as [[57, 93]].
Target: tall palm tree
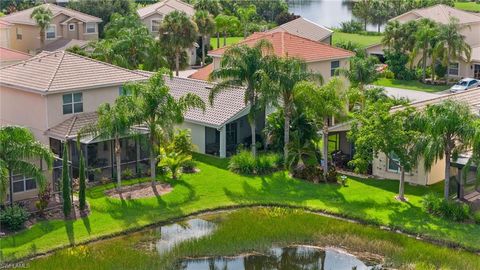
[[133, 44], [245, 66], [427, 30], [323, 103], [284, 75], [212, 6], [159, 111], [453, 42], [18, 150], [361, 73], [223, 23], [362, 9], [447, 129], [206, 27], [43, 17], [393, 36], [178, 32]]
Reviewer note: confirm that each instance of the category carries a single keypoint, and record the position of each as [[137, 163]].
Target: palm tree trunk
[[42, 39], [224, 38], [153, 159], [447, 175], [433, 68], [204, 39], [218, 39], [286, 132], [378, 28], [448, 66], [10, 176], [118, 160], [401, 188], [253, 129], [424, 63], [325, 147], [177, 63]]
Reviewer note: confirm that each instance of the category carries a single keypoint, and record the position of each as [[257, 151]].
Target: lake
[[329, 13]]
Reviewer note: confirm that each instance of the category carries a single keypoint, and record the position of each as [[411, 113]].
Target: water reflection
[[174, 234], [287, 258]]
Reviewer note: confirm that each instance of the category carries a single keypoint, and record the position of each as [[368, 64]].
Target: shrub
[[388, 74], [127, 174], [43, 199], [476, 217], [451, 210], [13, 217], [267, 163], [351, 26], [431, 203], [332, 174], [243, 163], [309, 172], [189, 166], [182, 142]]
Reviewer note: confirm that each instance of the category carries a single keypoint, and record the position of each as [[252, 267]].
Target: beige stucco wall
[[198, 135], [5, 37], [472, 33], [323, 67]]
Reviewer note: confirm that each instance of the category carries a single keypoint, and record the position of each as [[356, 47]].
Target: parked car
[[464, 84]]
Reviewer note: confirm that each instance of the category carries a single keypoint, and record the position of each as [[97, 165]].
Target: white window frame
[[151, 25], [24, 179], [54, 32], [19, 33], [72, 29], [457, 68], [86, 28], [72, 103], [391, 159], [332, 70]]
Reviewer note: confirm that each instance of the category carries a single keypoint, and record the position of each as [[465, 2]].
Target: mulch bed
[[138, 191]]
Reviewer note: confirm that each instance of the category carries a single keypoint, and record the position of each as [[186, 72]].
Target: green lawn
[[468, 6], [363, 40], [230, 41], [411, 85], [215, 187]]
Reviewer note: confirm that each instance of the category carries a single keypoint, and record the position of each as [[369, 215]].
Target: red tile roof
[[203, 73], [286, 44], [12, 55]]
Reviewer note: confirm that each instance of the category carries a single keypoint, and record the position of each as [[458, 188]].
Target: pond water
[[286, 258], [329, 13]]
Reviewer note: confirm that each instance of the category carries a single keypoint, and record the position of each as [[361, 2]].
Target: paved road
[[412, 95]]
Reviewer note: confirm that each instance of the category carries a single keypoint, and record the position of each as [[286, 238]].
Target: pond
[[329, 13]]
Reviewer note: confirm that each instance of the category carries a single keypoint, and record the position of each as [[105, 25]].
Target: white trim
[[74, 27], [54, 31], [86, 28], [159, 23]]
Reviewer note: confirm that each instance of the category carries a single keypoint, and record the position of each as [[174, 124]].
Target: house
[[307, 29], [56, 94], [470, 28], [5, 34], [152, 16], [9, 56], [320, 57], [67, 25]]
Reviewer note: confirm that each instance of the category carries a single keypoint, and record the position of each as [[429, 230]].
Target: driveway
[[412, 95]]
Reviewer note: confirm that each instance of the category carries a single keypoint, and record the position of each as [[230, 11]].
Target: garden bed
[[144, 190]]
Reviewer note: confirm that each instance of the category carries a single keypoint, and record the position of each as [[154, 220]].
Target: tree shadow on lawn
[[70, 231], [29, 235]]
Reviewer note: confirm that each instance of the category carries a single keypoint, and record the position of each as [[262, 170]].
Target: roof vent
[[209, 87]]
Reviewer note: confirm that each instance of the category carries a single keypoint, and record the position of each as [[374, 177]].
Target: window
[[72, 103], [91, 28], [334, 65], [71, 27], [19, 33], [50, 33], [155, 26], [393, 163], [124, 92], [453, 69], [22, 183]]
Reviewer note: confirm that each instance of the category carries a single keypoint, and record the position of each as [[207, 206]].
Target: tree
[[178, 32], [363, 10], [206, 27], [43, 17], [159, 111], [361, 72], [66, 189], [172, 159], [246, 14], [376, 130], [447, 130], [211, 6], [18, 148], [427, 31], [453, 42], [379, 13], [323, 103], [243, 65], [82, 184], [284, 74], [223, 23]]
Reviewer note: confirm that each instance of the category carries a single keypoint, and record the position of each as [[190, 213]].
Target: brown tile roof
[[63, 44], [286, 44], [203, 73], [7, 54], [23, 17], [69, 128], [304, 28], [5, 24], [441, 13], [59, 71], [166, 6]]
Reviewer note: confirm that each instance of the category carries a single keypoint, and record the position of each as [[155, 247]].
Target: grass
[[411, 85], [256, 229], [468, 6], [215, 187], [230, 41], [362, 40]]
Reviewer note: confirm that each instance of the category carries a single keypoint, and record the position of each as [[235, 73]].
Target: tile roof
[[23, 17], [70, 127], [441, 13], [304, 28], [59, 71], [7, 54], [4, 24], [167, 6], [63, 44], [286, 44], [203, 73]]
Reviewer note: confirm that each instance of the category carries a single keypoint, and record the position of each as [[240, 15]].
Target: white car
[[464, 84]]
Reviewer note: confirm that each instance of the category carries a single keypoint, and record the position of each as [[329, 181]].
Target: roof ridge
[[36, 57], [56, 71], [52, 6], [74, 120]]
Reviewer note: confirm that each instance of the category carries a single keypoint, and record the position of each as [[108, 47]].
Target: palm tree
[[43, 17], [363, 10], [446, 131], [453, 43], [223, 23], [159, 111], [172, 159], [423, 39], [323, 103], [284, 75], [393, 36], [212, 6], [178, 32], [242, 65], [18, 148], [206, 27], [246, 14], [361, 73]]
